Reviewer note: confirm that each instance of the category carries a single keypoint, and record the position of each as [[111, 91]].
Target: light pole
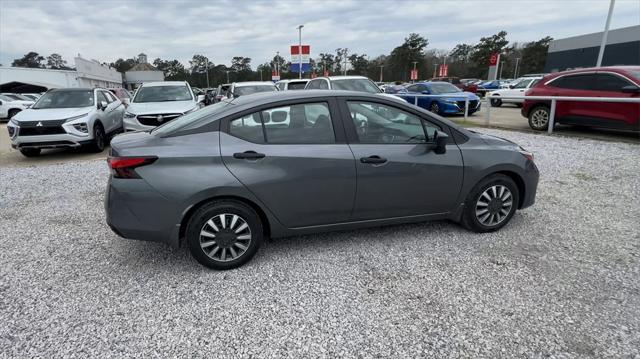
[[381, 67], [435, 69], [346, 51], [300, 50], [515, 72], [228, 74], [501, 66], [603, 44], [207, 70]]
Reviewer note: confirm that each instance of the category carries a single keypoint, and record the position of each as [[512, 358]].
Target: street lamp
[[300, 50], [227, 71]]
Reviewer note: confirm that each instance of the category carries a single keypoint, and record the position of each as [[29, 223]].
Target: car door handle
[[248, 155], [373, 159]]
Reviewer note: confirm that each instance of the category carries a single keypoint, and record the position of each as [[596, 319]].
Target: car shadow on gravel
[[158, 256]]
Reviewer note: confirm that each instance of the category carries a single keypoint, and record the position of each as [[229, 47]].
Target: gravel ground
[[561, 280]]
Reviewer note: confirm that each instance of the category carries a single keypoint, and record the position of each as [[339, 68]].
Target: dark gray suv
[[278, 164]]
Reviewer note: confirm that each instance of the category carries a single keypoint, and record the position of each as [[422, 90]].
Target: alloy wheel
[[540, 118], [435, 108], [494, 205], [225, 237]]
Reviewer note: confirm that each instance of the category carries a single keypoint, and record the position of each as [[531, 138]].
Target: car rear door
[[398, 172], [295, 159]]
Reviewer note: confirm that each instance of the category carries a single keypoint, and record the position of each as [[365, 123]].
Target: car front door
[[295, 159], [114, 111], [398, 172], [616, 114]]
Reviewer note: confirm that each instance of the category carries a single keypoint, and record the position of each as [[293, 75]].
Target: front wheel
[[98, 138], [434, 108], [491, 204], [539, 118], [224, 234]]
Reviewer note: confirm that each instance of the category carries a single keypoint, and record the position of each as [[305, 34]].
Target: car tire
[[237, 229], [486, 204], [30, 152], [496, 102], [539, 118], [434, 107], [99, 138], [12, 113]]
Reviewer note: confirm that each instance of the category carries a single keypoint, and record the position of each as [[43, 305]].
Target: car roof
[[77, 89], [252, 83], [164, 83], [350, 77], [592, 69]]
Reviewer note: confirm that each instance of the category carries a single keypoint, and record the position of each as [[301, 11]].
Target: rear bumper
[[134, 210]]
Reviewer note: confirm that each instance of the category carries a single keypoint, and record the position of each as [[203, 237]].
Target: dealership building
[[622, 48], [87, 73]]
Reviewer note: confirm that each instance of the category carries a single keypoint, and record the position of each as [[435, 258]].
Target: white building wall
[[43, 77]]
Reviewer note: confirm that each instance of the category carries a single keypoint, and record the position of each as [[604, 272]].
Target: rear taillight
[[124, 167]]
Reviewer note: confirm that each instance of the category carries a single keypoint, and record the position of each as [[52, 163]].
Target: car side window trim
[[351, 133], [337, 124]]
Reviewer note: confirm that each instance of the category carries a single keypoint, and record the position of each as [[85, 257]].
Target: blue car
[[487, 86], [449, 105]]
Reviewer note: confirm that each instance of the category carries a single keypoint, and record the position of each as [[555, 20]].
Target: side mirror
[[103, 105], [512, 86], [425, 92], [631, 89], [200, 98], [440, 139]]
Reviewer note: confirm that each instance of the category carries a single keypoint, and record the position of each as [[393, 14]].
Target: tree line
[[464, 60]]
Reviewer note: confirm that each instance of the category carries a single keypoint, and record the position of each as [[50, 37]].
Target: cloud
[[110, 29]]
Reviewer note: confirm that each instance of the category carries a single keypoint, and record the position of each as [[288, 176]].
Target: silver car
[[222, 179], [68, 118]]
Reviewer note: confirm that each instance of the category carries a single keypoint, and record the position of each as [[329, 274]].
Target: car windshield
[[162, 94], [65, 99], [248, 90], [360, 85], [297, 85], [444, 87], [194, 119]]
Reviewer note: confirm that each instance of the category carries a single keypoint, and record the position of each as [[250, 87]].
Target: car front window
[[65, 99], [360, 85], [522, 84], [162, 94]]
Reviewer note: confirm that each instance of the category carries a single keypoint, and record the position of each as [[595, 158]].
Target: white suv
[[238, 89], [67, 118], [9, 106], [155, 103], [348, 83]]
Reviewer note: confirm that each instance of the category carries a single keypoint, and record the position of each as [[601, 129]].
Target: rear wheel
[[30, 152], [496, 102], [491, 204], [224, 234], [539, 118]]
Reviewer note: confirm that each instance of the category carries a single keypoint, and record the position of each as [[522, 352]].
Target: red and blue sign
[[297, 55]]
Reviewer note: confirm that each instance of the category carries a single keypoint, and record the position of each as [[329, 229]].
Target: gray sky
[[107, 30]]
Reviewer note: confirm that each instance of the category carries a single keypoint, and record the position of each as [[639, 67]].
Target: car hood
[[21, 102], [495, 140], [143, 108], [45, 114], [461, 96]]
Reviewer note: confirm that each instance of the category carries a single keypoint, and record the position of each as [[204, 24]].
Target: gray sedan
[[223, 178]]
